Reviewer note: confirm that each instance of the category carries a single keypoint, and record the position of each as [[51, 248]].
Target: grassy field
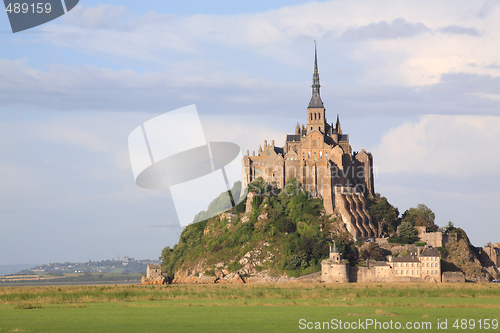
[[248, 308]]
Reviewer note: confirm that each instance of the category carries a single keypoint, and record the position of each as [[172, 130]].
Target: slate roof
[[278, 150], [381, 263], [405, 259], [430, 252], [293, 137], [316, 101], [154, 266]]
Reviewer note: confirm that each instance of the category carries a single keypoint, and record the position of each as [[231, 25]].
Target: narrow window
[[314, 143]]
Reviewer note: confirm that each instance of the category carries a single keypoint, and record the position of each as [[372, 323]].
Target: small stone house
[[153, 271]]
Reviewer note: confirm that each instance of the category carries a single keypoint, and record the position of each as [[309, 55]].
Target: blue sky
[[416, 83]]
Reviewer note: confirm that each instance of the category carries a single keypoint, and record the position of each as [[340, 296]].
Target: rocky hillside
[[274, 235], [459, 255], [267, 237]]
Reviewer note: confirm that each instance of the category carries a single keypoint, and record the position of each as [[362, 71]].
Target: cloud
[[82, 88], [448, 163], [459, 30], [92, 88], [398, 28], [439, 144], [413, 44]]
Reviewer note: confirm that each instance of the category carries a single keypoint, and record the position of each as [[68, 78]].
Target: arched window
[[309, 155], [320, 155], [311, 116], [326, 155], [319, 116], [314, 143], [315, 116]]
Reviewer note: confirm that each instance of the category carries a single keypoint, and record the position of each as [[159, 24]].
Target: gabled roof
[[430, 252], [154, 266]]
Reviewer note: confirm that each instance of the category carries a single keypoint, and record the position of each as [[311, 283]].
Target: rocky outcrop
[[158, 280], [251, 270], [459, 257]]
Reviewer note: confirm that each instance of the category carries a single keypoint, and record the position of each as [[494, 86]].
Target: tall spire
[[315, 72], [315, 99], [337, 126]]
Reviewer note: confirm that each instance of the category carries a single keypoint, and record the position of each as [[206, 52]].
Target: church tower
[[316, 111], [319, 156]]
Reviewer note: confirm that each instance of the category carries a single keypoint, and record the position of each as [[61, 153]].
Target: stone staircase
[[353, 208]]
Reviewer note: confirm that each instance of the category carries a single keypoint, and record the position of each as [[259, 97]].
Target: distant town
[[124, 265]]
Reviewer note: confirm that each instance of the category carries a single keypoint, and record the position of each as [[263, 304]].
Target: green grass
[[238, 308]]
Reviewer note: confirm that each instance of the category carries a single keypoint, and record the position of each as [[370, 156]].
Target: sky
[[416, 83]]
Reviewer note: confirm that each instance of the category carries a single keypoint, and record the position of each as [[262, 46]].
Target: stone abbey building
[[320, 157]]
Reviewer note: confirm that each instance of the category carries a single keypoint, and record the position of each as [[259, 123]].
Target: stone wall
[[453, 277], [434, 239], [370, 274]]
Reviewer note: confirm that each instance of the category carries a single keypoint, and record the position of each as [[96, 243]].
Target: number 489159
[[480, 324], [24, 8]]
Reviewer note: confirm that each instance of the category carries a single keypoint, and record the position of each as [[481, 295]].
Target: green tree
[[259, 186], [408, 232], [420, 216], [376, 252], [385, 214], [373, 252], [449, 228]]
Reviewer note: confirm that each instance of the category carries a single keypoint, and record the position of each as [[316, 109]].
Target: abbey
[[320, 157]]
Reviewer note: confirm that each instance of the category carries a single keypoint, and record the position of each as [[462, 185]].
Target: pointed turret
[[337, 126], [333, 249], [297, 129], [315, 99]]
